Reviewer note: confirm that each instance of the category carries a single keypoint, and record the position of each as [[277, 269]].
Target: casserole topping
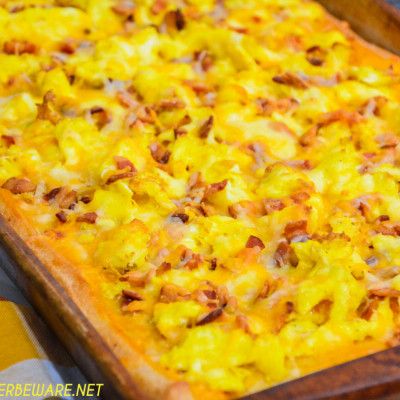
[[224, 174]]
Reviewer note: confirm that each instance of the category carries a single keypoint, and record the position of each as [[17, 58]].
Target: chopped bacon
[[128, 296], [175, 20], [350, 117], [285, 255], [271, 205], [52, 194], [247, 208], [373, 106], [213, 264], [117, 177], [68, 47], [62, 217], [182, 216], [18, 47], [296, 231], [387, 140], [66, 199], [179, 131], [170, 293], [125, 8], [101, 116], [9, 140], [186, 119], [367, 308], [290, 79], [206, 127], [243, 323], [126, 99], [210, 317], [394, 305], [254, 241], [169, 105], [194, 261], [159, 6], [205, 60], [159, 153], [268, 106], [215, 187], [137, 278], [19, 185], [123, 163], [384, 292], [315, 55], [164, 267], [46, 110], [198, 87], [146, 114], [89, 218]]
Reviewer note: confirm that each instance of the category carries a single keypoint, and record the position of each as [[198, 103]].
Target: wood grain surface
[[375, 20]]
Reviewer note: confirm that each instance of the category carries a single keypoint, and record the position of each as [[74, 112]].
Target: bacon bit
[[282, 319], [164, 267], [394, 305], [387, 140], [52, 194], [206, 296], [127, 296], [247, 208], [46, 110], [205, 60], [123, 163], [146, 114], [323, 309], [350, 117], [159, 153], [267, 106], [215, 187], [300, 197], [124, 8], [89, 218], [169, 105], [184, 121], [171, 293], [367, 308], [182, 216], [206, 127], [159, 6], [18, 47], [198, 87], [213, 264], [137, 278], [175, 20], [285, 255], [373, 106], [101, 116], [9, 140], [243, 323], [66, 199], [117, 177], [382, 218], [384, 292], [68, 47], [62, 217], [296, 231], [254, 241], [272, 205], [265, 290], [126, 99], [178, 391], [290, 79], [194, 261], [210, 317], [316, 56], [19, 185], [179, 132]]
